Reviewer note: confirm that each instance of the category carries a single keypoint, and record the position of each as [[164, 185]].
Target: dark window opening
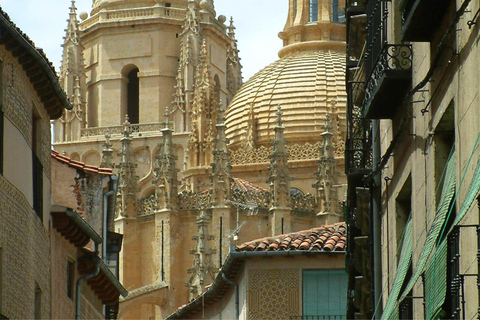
[[38, 302], [1, 119], [168, 5], [133, 96], [37, 167], [444, 138], [403, 207], [2, 137], [70, 278]]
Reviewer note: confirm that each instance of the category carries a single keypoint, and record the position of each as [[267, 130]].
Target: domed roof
[[120, 4], [307, 85]]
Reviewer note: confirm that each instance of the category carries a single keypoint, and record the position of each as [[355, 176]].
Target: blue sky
[[257, 21]]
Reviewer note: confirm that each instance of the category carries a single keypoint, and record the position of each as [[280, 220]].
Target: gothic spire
[[178, 96], [126, 173], [165, 180], [73, 81], [202, 113], [203, 271], [234, 68], [279, 179], [221, 168], [326, 174]]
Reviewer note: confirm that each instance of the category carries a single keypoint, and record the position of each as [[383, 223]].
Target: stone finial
[[179, 94], [325, 184], [280, 177], [126, 174], [127, 128], [231, 29], [234, 68], [165, 172], [107, 151]]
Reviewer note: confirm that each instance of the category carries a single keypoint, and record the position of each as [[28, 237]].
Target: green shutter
[[442, 210], [402, 269], [324, 292], [470, 196], [436, 281]]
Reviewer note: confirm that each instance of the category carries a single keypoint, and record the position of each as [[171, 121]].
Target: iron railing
[[359, 143], [376, 30], [393, 57], [319, 317]]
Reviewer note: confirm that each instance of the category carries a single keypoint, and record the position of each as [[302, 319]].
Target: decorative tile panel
[[273, 294]]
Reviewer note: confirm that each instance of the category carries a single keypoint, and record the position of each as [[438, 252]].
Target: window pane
[[313, 10]]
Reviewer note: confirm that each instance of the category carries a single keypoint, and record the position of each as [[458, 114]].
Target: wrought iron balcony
[[388, 82], [421, 18]]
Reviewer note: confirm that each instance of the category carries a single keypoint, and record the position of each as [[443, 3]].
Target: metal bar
[[462, 286]]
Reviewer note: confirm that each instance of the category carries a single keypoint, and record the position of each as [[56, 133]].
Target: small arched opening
[[131, 94]]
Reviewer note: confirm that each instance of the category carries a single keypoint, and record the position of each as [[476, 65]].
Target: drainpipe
[[376, 223], [237, 304], [105, 214], [96, 262]]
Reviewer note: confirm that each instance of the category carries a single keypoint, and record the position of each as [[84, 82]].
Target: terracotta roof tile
[[80, 165], [325, 238]]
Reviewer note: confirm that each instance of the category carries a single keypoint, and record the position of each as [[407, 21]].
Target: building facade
[[156, 95], [296, 276], [412, 159], [30, 97], [41, 257]]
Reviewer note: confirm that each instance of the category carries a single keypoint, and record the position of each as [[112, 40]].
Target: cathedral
[[204, 161]]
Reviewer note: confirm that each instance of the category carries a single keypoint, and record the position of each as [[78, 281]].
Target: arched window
[[296, 192], [313, 11], [133, 96]]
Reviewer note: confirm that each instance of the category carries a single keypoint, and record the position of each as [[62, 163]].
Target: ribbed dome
[[306, 85], [121, 4]]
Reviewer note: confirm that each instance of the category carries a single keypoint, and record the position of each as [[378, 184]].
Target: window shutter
[[403, 264], [443, 209], [436, 281]]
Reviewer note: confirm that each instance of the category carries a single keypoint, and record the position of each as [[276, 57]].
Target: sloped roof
[[80, 165], [38, 68], [325, 238]]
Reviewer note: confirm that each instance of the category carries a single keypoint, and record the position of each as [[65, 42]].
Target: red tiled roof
[[326, 238], [246, 186], [80, 165]]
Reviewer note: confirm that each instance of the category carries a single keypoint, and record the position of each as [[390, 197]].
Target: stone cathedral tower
[[157, 93]]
